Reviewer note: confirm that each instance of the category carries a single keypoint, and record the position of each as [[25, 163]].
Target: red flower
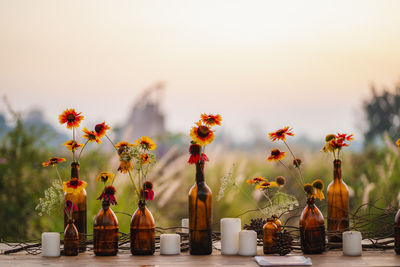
[[74, 183], [101, 129], [70, 207], [211, 119], [71, 117], [281, 134], [147, 191], [195, 155], [53, 161], [276, 155], [108, 194]]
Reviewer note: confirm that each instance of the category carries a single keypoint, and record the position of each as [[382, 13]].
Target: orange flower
[[91, 136], [53, 161], [144, 157], [125, 166], [211, 120], [101, 129], [266, 185], [71, 117], [256, 180], [276, 155], [398, 143], [74, 186], [202, 135], [146, 143], [72, 145], [281, 134]]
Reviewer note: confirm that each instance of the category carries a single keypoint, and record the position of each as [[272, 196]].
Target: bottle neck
[[75, 170], [105, 204], [142, 204], [337, 170], [200, 172], [310, 202]]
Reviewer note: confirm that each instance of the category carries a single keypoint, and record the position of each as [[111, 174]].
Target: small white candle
[[170, 244], [352, 243], [185, 225], [50, 244], [247, 243], [230, 228]]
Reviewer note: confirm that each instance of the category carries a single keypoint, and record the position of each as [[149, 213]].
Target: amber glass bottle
[[277, 222], [397, 233], [79, 216], [143, 240], [338, 205], [269, 231], [312, 229], [71, 239], [200, 215], [105, 232]]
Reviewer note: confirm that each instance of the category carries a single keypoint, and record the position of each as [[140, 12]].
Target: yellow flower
[[146, 143], [276, 155], [265, 185], [318, 186], [53, 161], [105, 177], [72, 145], [74, 186], [125, 166], [144, 158], [91, 136], [257, 179], [202, 134], [398, 143]]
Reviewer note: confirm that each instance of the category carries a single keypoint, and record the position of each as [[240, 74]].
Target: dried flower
[[309, 189], [125, 166], [71, 117], [297, 162], [53, 161], [276, 155], [144, 157], [280, 180], [281, 134]]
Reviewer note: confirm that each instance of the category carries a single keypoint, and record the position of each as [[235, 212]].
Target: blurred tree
[[382, 112]]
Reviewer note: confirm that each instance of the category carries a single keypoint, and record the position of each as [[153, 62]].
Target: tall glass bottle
[[269, 231], [79, 216], [71, 239], [312, 229], [105, 231], [338, 205], [200, 215], [143, 240], [397, 233]]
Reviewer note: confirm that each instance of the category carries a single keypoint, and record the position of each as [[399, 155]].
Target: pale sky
[[307, 64]]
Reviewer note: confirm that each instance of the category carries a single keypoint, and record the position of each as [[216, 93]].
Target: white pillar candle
[[352, 243], [170, 244], [185, 225], [50, 244], [247, 243], [230, 228]]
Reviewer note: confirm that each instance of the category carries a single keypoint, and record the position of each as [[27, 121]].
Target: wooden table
[[124, 258]]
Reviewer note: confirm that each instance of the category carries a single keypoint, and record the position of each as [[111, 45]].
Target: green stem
[[58, 174], [294, 157], [80, 153], [73, 139], [134, 184], [111, 142], [284, 165]]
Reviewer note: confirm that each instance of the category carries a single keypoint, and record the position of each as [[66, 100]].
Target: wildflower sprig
[[335, 142]]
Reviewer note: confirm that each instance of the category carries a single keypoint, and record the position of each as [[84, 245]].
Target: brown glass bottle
[[338, 205], [397, 233], [277, 222], [143, 240], [105, 232], [312, 229], [269, 231], [200, 215], [79, 216], [71, 239]]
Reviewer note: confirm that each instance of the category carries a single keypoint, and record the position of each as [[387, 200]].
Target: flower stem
[[80, 153], [111, 142], [73, 139], [134, 184], [58, 174], [251, 199], [294, 157], [284, 165]]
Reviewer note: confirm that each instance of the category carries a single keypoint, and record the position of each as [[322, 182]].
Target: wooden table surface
[[124, 258]]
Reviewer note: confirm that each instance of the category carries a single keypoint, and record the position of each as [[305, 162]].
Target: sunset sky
[[307, 64]]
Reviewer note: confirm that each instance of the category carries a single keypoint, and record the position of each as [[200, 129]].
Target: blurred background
[[152, 67]]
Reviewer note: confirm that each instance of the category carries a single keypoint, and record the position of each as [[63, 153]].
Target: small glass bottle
[[71, 239], [79, 216], [338, 204], [200, 215], [277, 222], [143, 240], [312, 229], [105, 231], [269, 231]]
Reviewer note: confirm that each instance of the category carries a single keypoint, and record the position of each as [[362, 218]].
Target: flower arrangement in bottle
[[200, 196], [71, 235], [337, 191]]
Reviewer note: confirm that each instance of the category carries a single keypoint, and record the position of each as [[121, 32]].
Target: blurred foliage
[[382, 114]]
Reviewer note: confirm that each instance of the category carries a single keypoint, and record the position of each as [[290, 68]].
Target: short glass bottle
[[71, 239], [105, 231], [269, 231], [142, 227]]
